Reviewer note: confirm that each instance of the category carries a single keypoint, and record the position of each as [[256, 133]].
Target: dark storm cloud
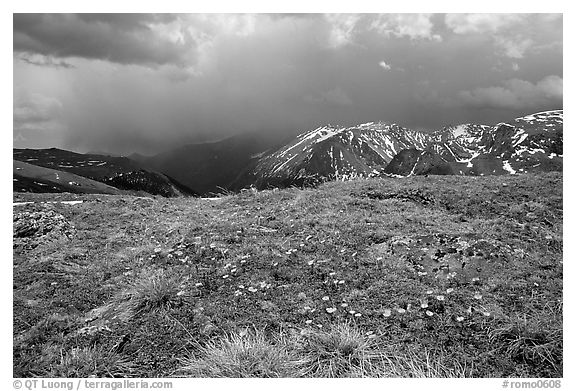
[[209, 76], [120, 38]]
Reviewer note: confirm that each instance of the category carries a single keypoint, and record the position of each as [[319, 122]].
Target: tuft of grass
[[154, 290], [531, 341], [423, 364], [241, 356], [341, 351], [95, 361]]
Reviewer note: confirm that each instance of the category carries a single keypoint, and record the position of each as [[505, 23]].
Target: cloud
[[120, 38], [342, 28], [348, 29], [513, 35], [384, 65], [413, 26], [516, 94], [480, 23], [514, 47]]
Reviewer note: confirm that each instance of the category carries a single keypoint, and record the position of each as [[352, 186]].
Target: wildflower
[[460, 318], [332, 273], [252, 289], [198, 284], [331, 310], [325, 298], [344, 305], [241, 286], [440, 298], [225, 276], [429, 313], [180, 293], [486, 313], [424, 305], [341, 282], [387, 312], [351, 312], [449, 290], [358, 314], [475, 279], [469, 310], [308, 321], [422, 273], [308, 237], [429, 292], [310, 263], [237, 293], [233, 270], [401, 310], [478, 296]]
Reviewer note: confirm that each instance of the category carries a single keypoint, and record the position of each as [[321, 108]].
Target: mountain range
[[375, 149]]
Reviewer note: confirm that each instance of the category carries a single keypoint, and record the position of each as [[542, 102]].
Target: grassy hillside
[[28, 177], [425, 276]]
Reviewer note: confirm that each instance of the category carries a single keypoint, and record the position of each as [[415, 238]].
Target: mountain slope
[[331, 152], [36, 179], [119, 172]]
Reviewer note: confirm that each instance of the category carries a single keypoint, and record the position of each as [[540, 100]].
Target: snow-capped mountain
[[335, 152], [530, 143]]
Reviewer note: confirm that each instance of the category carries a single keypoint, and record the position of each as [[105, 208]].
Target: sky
[[124, 83]]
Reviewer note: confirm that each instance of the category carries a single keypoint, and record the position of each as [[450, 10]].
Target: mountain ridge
[[525, 144]]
